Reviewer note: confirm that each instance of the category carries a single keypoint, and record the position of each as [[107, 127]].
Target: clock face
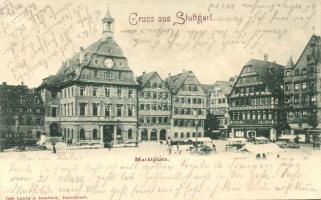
[[108, 63]]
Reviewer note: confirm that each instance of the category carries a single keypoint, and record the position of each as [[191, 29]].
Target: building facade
[[154, 108], [21, 113], [188, 106], [256, 100], [302, 90], [93, 97], [218, 104]]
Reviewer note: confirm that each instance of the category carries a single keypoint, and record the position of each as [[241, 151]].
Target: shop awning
[[262, 148]]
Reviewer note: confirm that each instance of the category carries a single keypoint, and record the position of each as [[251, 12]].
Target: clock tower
[[108, 25]]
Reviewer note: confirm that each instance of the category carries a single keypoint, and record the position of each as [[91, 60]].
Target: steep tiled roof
[[144, 78], [313, 50], [225, 86], [175, 82], [207, 88], [270, 73], [72, 67]]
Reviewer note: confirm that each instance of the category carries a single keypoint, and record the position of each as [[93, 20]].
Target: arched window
[[82, 134], [144, 135], [53, 130], [130, 133]]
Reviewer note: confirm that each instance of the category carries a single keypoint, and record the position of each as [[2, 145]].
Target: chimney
[[4, 83], [169, 74], [266, 57], [144, 72], [81, 55]]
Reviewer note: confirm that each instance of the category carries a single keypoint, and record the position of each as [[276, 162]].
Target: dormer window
[[287, 73], [308, 57]]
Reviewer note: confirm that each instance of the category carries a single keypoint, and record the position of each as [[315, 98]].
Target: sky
[[37, 36]]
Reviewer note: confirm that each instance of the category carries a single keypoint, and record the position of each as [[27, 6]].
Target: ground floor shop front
[[90, 132], [249, 132]]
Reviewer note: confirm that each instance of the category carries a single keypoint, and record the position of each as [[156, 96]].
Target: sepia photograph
[[150, 99]]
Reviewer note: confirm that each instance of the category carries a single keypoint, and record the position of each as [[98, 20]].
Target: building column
[[101, 134], [148, 135], [115, 133], [158, 135], [137, 136]]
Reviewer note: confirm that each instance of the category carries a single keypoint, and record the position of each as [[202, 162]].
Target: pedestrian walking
[[214, 148], [54, 148], [169, 150]]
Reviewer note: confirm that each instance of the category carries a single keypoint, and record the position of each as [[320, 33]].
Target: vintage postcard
[[151, 99]]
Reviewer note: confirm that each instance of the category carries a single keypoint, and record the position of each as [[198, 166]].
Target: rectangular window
[[82, 107], [287, 87], [82, 91], [95, 110], [154, 107], [296, 86], [147, 95], [304, 86], [94, 92], [119, 93], [107, 111], [141, 120], [130, 112], [165, 120], [119, 110], [107, 92], [154, 120], [54, 112], [130, 94]]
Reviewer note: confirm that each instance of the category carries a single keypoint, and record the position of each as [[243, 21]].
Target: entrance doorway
[[162, 135], [251, 134], [108, 133]]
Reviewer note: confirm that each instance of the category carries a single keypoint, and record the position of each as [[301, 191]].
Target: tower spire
[[108, 24]]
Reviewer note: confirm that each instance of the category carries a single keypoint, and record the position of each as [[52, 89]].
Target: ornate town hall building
[[92, 98]]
